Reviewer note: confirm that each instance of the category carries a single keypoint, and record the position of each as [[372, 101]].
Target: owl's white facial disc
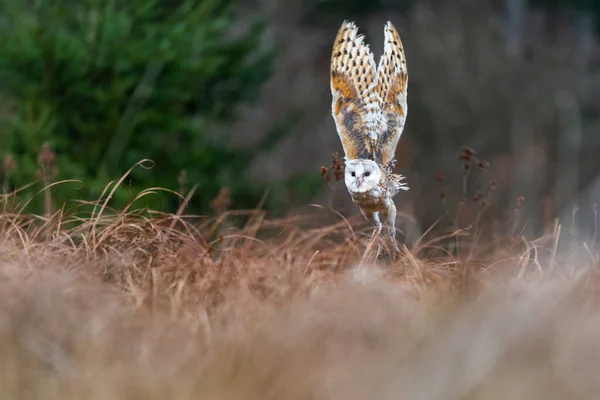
[[362, 176]]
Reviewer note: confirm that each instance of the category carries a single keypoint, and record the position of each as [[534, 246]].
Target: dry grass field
[[126, 305]]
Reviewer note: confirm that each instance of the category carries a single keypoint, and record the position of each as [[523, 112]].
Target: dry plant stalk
[[47, 171]]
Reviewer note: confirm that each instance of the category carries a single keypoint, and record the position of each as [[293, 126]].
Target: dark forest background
[[235, 94]]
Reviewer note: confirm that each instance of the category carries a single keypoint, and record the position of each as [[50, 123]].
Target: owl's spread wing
[[391, 89], [353, 74]]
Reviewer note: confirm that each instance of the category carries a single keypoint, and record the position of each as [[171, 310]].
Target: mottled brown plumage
[[392, 84], [353, 73], [369, 108]]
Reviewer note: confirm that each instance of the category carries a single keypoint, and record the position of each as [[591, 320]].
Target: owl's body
[[369, 109]]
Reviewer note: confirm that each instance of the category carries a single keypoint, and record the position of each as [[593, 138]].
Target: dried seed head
[[440, 177], [182, 179], [338, 167], [483, 165], [324, 173], [466, 168], [520, 202], [46, 156], [9, 164], [466, 153], [46, 160], [223, 200]]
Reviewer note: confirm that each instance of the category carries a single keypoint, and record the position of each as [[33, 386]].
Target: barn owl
[[369, 108]]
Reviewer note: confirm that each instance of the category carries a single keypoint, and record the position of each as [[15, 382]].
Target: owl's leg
[[373, 217], [390, 217]]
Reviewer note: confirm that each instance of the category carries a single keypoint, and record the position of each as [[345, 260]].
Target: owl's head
[[362, 175]]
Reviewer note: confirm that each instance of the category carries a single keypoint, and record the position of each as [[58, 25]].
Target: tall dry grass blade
[[96, 218]]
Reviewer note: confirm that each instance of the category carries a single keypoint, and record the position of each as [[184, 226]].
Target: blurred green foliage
[[108, 83]]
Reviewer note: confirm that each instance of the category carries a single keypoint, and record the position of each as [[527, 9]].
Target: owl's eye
[[367, 173], [353, 173]]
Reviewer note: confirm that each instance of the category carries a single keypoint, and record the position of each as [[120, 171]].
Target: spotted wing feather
[[391, 89], [353, 74]]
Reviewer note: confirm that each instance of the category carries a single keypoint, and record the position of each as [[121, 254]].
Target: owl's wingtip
[[348, 23]]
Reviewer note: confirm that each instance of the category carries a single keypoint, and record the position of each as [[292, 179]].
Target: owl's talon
[[392, 232], [391, 166]]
